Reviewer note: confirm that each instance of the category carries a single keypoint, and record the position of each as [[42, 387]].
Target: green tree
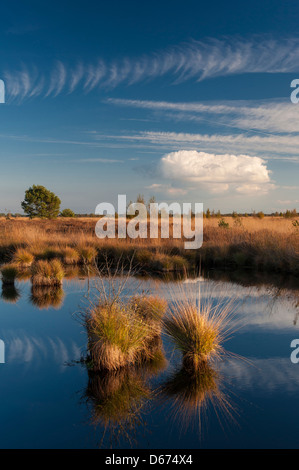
[[40, 202], [67, 213]]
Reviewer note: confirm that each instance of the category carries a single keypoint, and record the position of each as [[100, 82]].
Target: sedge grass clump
[[47, 273], [122, 329], [117, 336], [198, 329], [23, 258], [150, 309], [70, 256], [87, 254], [162, 262], [9, 273]]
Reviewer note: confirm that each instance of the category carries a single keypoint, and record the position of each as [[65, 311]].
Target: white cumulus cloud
[[218, 173]]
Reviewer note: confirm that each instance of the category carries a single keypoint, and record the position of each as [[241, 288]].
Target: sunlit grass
[[198, 327], [23, 258], [47, 273]]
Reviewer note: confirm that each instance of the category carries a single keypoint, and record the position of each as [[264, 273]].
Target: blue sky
[[188, 101]]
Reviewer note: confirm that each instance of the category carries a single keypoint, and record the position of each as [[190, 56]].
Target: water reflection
[[10, 293], [46, 297], [192, 394], [118, 399]]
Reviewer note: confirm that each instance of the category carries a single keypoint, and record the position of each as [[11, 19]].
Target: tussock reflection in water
[[46, 297], [193, 393], [10, 293], [119, 398]]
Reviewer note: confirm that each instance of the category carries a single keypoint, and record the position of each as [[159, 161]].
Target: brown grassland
[[268, 244]]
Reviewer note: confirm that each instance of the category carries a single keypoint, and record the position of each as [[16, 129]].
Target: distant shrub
[[260, 215], [67, 213], [223, 224], [290, 214]]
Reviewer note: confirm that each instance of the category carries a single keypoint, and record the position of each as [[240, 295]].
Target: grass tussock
[[23, 258], [122, 331], [47, 273], [198, 328], [70, 256], [116, 337], [150, 309], [87, 254]]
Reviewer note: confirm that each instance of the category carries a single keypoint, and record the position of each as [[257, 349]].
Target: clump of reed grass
[[150, 309], [121, 329], [87, 254], [70, 255], [116, 336], [165, 263], [161, 262], [198, 328], [23, 258], [144, 256], [47, 273], [46, 297], [24, 274], [9, 273]]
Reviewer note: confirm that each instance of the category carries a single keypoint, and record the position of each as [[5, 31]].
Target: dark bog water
[[48, 399]]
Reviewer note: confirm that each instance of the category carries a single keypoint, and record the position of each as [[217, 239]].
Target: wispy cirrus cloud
[[263, 116], [196, 60], [99, 160], [275, 147]]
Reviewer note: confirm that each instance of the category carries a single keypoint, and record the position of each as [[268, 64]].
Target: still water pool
[[48, 399]]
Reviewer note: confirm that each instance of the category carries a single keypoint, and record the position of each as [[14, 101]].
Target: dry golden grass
[[47, 273], [269, 244]]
